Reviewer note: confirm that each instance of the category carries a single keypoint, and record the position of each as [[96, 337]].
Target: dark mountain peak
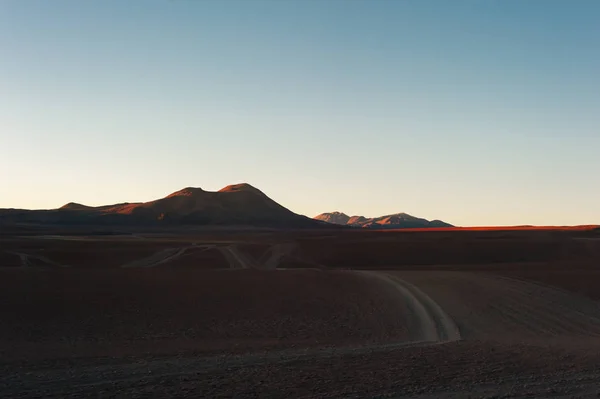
[[187, 192], [241, 187], [234, 205], [439, 223], [74, 206]]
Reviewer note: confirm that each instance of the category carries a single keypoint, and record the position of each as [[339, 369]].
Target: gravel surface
[[462, 369], [469, 314], [519, 339], [86, 313]]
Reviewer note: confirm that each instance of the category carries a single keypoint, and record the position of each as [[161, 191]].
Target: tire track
[[546, 310], [158, 258], [570, 313], [164, 256], [236, 259], [481, 303], [277, 252], [490, 307], [27, 263], [433, 324], [434, 327]]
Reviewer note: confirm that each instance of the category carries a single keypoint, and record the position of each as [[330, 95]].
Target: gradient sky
[[477, 112]]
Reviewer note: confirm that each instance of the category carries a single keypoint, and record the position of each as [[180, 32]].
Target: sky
[[476, 112]]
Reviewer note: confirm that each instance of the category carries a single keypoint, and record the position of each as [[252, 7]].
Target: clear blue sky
[[477, 112]]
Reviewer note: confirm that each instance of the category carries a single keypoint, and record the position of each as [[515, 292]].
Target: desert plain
[[300, 313]]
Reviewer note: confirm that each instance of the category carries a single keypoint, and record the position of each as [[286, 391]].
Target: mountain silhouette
[[239, 204], [395, 221]]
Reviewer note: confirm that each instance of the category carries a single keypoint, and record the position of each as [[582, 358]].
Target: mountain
[[395, 221], [334, 217], [239, 204]]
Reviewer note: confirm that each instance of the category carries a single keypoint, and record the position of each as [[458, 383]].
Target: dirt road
[[27, 260], [236, 259], [158, 258], [469, 334], [275, 254], [490, 307], [429, 325], [164, 256], [427, 320]]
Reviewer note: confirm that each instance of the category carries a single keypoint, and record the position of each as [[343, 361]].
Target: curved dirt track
[[239, 259], [164, 256], [512, 338], [275, 254], [428, 326], [427, 321], [235, 257], [26, 260], [489, 307]]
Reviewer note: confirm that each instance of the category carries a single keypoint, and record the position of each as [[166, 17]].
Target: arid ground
[[310, 314]]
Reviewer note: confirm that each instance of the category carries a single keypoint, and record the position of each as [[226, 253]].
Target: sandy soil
[[80, 313], [496, 308], [10, 259], [517, 339], [457, 370], [584, 281], [254, 249], [514, 345], [436, 249], [347, 249], [453, 314], [109, 253]]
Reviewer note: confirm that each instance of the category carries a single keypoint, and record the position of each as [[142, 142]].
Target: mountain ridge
[[236, 204], [392, 221]]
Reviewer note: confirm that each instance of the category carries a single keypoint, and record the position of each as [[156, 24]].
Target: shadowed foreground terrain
[[300, 314], [51, 314]]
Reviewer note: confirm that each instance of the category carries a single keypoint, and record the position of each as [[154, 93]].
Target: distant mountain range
[[395, 221], [234, 205], [239, 204]]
